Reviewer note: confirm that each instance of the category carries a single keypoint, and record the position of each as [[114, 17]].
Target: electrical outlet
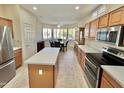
[[40, 71]]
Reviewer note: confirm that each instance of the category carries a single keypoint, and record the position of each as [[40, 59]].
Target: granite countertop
[[16, 48], [88, 49], [116, 72], [47, 56]]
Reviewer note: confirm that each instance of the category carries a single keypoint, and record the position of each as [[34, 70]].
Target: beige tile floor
[[70, 74]]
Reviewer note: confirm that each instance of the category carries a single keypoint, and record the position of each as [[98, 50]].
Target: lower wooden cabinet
[[80, 56], [108, 82], [18, 57]]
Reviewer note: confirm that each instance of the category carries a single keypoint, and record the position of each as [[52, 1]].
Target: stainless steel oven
[[91, 73], [93, 62]]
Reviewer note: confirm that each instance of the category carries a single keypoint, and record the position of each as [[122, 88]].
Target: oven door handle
[[90, 62], [90, 73]]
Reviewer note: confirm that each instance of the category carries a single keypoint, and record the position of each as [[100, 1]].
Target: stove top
[[100, 59]]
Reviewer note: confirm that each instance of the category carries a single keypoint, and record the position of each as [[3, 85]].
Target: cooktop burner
[[98, 59]]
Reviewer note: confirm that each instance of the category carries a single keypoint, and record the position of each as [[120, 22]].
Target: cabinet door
[[93, 28], [18, 58], [87, 30], [82, 59], [105, 83], [116, 17], [108, 82], [8, 23], [79, 55], [103, 21]]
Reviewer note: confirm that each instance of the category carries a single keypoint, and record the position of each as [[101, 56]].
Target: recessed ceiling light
[[77, 8], [34, 8], [58, 26]]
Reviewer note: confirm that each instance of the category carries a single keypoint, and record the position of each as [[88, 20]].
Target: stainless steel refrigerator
[[7, 63]]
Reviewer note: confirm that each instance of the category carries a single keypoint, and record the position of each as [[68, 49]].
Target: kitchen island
[[42, 68]]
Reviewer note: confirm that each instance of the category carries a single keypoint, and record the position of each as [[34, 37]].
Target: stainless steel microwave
[[102, 34], [114, 35]]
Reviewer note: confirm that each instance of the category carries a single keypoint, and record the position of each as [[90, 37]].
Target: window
[[55, 33], [65, 34], [61, 33], [71, 33], [47, 33], [58, 33]]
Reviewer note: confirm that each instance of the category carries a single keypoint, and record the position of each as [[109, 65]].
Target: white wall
[[29, 18], [1, 11]]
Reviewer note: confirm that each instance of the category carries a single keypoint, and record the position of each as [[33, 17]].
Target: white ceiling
[[60, 13]]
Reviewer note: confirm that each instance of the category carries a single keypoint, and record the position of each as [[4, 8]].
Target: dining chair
[[66, 45], [52, 43], [57, 44]]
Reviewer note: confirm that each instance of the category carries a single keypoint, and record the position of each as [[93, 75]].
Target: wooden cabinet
[[93, 28], [7, 22], [44, 79], [87, 30], [81, 57], [116, 17], [79, 36], [78, 55], [108, 82], [42, 76], [76, 49], [40, 45], [103, 21], [18, 57]]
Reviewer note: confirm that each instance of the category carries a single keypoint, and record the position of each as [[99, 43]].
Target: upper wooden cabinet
[[103, 21], [116, 17], [7, 22], [93, 28], [87, 30]]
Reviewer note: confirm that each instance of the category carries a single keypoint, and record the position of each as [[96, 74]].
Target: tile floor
[[70, 74]]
